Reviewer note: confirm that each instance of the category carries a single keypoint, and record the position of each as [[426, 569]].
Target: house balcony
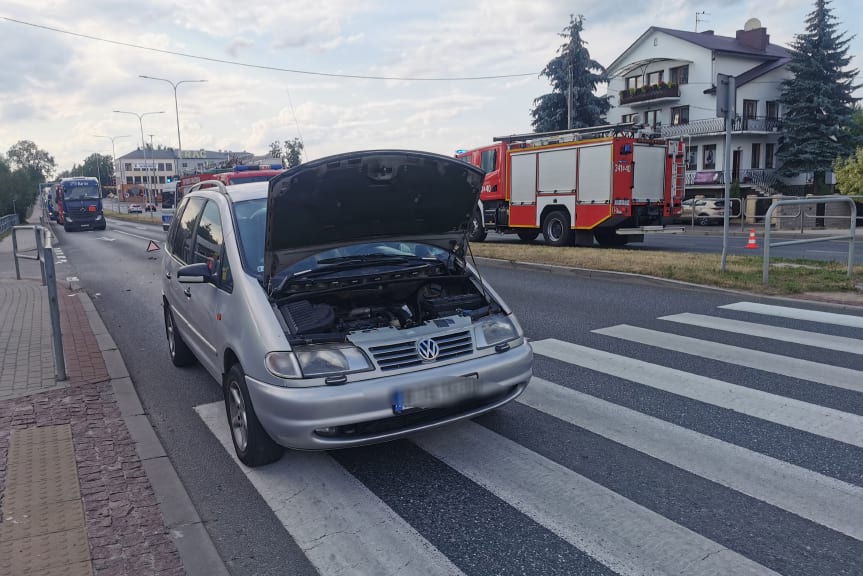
[[714, 126], [649, 94], [746, 177]]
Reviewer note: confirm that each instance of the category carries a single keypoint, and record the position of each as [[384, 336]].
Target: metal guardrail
[[7, 222], [850, 236], [45, 256]]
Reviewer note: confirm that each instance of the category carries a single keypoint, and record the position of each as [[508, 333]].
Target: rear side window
[[181, 242], [208, 243]]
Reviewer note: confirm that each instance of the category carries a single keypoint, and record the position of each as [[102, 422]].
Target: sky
[[59, 90]]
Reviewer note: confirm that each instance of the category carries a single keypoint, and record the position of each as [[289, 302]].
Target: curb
[[185, 528]]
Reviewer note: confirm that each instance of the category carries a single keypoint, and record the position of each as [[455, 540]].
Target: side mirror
[[195, 274]]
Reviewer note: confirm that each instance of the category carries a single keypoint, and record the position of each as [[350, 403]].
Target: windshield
[[80, 190], [251, 219]]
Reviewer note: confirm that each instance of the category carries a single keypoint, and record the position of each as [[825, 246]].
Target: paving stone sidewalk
[[74, 495]]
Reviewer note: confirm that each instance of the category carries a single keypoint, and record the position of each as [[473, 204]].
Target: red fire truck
[[573, 186]]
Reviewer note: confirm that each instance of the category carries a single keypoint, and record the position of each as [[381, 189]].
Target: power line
[[263, 67]]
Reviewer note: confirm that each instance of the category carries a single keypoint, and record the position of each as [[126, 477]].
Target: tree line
[[22, 169]]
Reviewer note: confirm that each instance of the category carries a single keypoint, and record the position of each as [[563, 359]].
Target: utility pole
[[153, 174], [119, 164], [143, 144]]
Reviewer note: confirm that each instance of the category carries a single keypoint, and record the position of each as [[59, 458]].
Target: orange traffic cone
[[752, 242]]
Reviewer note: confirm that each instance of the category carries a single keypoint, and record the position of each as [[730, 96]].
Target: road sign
[[152, 246]]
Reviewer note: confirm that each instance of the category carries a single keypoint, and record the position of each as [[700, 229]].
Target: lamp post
[[114, 159], [143, 144], [176, 111]]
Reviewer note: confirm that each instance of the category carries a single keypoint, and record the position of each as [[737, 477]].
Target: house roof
[[709, 41]]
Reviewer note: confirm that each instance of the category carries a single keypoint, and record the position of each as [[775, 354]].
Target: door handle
[[188, 292]]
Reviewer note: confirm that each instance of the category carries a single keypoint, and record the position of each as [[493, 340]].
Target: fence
[[7, 222]]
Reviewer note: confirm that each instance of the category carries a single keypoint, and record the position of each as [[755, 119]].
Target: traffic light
[[168, 179]]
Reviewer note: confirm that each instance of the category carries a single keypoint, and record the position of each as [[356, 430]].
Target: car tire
[[180, 353], [556, 230], [66, 227], [703, 220], [253, 445], [477, 230], [165, 228], [528, 235]]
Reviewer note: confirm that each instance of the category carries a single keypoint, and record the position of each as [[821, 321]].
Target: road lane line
[[811, 418], [797, 314], [625, 536], [816, 497], [333, 517], [827, 374], [136, 236], [816, 339]]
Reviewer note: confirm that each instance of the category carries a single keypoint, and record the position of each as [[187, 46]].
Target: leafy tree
[[19, 188], [25, 154], [856, 127], [849, 174], [818, 100], [572, 69], [275, 149], [293, 152]]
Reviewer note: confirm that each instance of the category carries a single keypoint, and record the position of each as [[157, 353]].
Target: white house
[[666, 80]]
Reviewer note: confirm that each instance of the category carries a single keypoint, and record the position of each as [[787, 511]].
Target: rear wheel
[[607, 237], [555, 228], [253, 445], [528, 235], [180, 353], [66, 226], [703, 220]]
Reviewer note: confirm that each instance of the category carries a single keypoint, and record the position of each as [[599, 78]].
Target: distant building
[[666, 81], [141, 172]]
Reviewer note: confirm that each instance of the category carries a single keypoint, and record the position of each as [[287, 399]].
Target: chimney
[[756, 38]]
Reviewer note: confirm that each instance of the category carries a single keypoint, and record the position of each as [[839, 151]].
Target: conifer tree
[[818, 101], [550, 110]]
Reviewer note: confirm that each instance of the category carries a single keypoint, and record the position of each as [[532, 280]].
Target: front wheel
[[556, 230], [253, 445], [528, 235], [703, 220], [477, 230]]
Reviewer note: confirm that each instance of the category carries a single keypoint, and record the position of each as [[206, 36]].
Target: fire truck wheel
[[528, 235], [607, 237], [477, 230], [556, 230]]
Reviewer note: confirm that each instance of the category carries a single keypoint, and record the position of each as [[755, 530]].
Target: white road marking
[[625, 536], [106, 238], [796, 414], [797, 314], [816, 339], [338, 522], [776, 363], [827, 501], [136, 236]]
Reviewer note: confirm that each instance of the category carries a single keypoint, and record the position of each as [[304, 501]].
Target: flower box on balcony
[[651, 92]]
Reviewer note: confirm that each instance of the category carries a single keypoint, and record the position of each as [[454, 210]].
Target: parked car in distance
[[135, 209], [335, 304], [707, 210], [150, 207]]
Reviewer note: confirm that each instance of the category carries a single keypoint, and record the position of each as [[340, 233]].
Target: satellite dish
[[752, 24]]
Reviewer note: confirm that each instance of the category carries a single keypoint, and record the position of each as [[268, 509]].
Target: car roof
[[242, 192]]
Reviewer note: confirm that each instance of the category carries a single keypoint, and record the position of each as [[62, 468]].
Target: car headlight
[[318, 360], [98, 217], [68, 218], [494, 330], [283, 365]]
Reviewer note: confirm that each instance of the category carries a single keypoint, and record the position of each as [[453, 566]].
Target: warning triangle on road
[[152, 246]]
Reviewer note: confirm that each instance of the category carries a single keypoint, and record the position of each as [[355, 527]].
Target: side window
[[209, 244], [488, 160], [181, 243]]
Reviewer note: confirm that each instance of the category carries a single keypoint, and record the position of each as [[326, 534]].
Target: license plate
[[443, 393]]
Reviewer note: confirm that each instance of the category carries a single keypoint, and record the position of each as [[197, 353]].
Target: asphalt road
[[689, 445]]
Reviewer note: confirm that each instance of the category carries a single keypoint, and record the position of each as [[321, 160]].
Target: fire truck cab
[[605, 183]]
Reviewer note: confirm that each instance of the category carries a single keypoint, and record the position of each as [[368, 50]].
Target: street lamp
[[114, 159], [177, 112], [143, 144]]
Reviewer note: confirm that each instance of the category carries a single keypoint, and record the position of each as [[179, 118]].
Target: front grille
[[404, 354]]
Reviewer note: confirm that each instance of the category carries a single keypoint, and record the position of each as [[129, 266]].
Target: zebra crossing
[[592, 485]]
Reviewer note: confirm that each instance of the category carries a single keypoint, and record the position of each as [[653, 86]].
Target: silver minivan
[[335, 303]]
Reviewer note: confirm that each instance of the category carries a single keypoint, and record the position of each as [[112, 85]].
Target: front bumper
[[292, 415]]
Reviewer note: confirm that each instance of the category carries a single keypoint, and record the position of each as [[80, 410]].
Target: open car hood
[[393, 195]]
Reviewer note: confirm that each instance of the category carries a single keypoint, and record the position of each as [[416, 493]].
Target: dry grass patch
[[146, 218], [741, 272]]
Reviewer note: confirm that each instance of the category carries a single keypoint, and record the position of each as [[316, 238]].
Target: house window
[[137, 179], [769, 151], [629, 118], [651, 118], [679, 115], [772, 109], [128, 166], [169, 166], [680, 75], [129, 180], [750, 108], [634, 82], [756, 155], [692, 158], [709, 160], [654, 78], [161, 179], [161, 167]]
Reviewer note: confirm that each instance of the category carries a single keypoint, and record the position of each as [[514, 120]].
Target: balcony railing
[[717, 126], [764, 177], [652, 92]]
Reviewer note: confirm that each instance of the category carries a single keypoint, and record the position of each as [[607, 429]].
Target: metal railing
[[850, 236], [7, 222], [717, 126], [45, 256]]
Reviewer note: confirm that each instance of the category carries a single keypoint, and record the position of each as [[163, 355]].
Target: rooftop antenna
[[698, 18]]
